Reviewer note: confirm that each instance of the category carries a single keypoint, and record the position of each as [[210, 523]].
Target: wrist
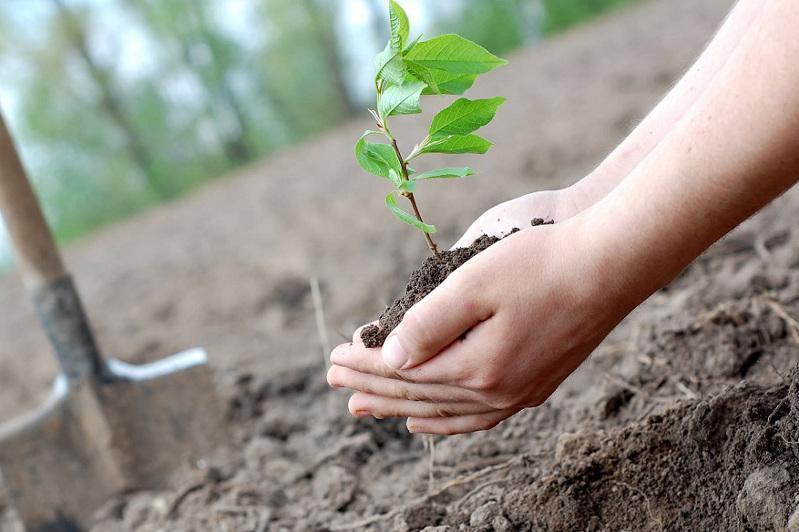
[[588, 191], [639, 246]]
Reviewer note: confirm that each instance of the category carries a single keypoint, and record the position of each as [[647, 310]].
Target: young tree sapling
[[407, 70]]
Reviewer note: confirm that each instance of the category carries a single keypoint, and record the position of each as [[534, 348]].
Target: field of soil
[[685, 418]]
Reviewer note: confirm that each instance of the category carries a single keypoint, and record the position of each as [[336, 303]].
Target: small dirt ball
[[765, 501], [483, 517]]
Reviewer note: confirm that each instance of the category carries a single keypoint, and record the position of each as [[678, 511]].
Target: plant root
[[646, 500]]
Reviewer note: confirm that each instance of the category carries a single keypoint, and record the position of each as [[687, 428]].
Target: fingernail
[[394, 355], [363, 413]]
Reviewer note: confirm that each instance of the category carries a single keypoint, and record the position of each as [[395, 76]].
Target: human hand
[[549, 205], [499, 335]]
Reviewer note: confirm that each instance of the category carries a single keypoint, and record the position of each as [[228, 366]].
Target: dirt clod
[[422, 281], [483, 517], [764, 501]]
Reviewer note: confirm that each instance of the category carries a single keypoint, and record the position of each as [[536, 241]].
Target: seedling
[[407, 70]]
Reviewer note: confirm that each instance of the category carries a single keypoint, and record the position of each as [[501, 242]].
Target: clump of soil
[[424, 280]]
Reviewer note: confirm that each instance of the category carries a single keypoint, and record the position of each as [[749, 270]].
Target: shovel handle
[[37, 255], [54, 295]]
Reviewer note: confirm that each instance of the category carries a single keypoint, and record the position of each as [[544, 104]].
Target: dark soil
[[422, 281]]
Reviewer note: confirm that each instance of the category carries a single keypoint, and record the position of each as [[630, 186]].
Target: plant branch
[[404, 165]]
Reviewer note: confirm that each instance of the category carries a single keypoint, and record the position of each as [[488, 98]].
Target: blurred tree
[[110, 98], [322, 16], [498, 25], [183, 27], [300, 78], [220, 56], [561, 14]]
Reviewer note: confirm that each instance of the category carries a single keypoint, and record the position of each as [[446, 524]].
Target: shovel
[[107, 427]]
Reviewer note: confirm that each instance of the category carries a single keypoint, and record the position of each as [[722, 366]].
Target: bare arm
[[690, 88], [563, 204], [734, 151]]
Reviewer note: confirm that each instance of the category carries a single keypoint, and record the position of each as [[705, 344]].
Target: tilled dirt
[[685, 418]]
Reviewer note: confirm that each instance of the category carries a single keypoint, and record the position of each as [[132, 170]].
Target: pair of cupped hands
[[500, 334]]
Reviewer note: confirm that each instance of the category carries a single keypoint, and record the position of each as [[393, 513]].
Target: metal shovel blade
[[137, 429]]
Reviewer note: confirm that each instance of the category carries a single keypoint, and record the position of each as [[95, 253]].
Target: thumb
[[439, 319]]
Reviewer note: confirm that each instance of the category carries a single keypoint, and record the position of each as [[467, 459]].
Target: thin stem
[[404, 165]]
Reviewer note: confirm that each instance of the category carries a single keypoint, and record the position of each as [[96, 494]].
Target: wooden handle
[[37, 254]]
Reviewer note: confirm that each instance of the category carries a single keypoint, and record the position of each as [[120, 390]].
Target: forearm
[[734, 151], [657, 124]]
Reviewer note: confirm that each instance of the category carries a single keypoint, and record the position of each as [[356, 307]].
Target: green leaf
[[444, 82], [412, 44], [465, 116], [445, 173], [440, 81], [424, 74], [407, 217], [457, 144], [388, 63], [400, 27], [401, 99], [407, 186], [454, 54], [395, 178], [390, 66], [377, 159]]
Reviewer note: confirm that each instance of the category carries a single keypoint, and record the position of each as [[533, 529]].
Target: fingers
[[463, 363], [443, 316], [341, 377], [457, 425], [383, 407], [359, 358]]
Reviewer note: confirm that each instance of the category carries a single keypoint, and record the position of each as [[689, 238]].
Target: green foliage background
[[562, 14], [102, 143]]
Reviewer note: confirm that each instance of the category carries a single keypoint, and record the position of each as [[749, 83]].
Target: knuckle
[[537, 401], [447, 430], [415, 329], [471, 305], [461, 378], [486, 381], [408, 394], [500, 401], [487, 424], [444, 411]]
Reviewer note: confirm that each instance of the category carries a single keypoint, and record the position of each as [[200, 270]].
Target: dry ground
[[228, 269]]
